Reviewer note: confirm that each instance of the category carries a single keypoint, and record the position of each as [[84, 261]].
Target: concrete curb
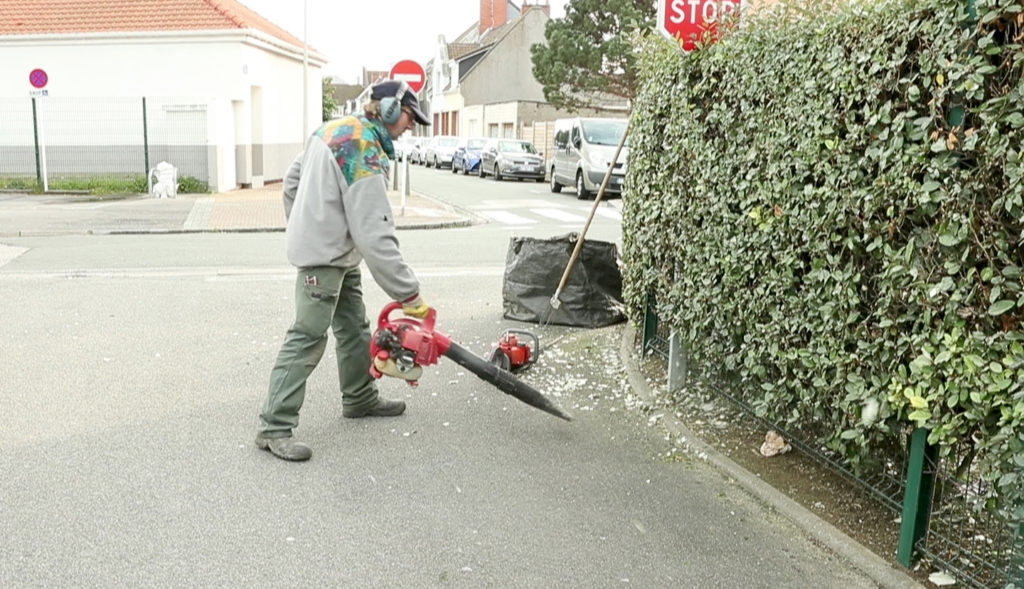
[[817, 529], [438, 225]]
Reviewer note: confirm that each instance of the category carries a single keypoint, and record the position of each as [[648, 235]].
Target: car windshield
[[516, 147], [476, 143], [604, 132], [448, 142]]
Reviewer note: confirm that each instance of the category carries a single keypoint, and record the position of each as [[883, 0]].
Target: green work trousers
[[325, 297]]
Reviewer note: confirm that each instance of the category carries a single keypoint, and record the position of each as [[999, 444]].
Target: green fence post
[[35, 134], [917, 500], [650, 327], [1016, 573]]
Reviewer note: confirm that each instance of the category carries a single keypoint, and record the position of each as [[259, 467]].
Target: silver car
[[511, 158], [439, 151], [415, 150]]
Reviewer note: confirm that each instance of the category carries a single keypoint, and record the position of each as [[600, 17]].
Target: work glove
[[416, 307]]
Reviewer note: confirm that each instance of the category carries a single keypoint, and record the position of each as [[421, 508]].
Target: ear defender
[[391, 106]]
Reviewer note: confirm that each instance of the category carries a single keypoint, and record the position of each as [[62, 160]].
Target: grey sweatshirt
[[336, 202]]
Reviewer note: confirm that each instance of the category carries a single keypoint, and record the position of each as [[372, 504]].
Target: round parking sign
[[38, 78]]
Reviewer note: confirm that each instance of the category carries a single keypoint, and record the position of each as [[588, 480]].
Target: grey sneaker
[[285, 448], [382, 408]]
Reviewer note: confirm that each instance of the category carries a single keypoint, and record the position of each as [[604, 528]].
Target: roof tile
[[36, 17]]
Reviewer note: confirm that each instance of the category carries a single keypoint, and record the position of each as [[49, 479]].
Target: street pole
[[305, 71]]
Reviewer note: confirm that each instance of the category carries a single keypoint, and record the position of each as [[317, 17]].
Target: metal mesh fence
[[982, 548], [964, 537], [88, 137]]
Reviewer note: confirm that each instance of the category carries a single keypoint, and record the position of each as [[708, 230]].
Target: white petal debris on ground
[[941, 579], [583, 371]]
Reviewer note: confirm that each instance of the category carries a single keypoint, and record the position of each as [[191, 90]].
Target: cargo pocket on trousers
[[316, 310], [320, 294]]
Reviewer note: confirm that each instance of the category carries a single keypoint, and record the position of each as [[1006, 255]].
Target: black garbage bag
[[592, 297]]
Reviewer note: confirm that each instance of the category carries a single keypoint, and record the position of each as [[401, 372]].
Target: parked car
[[467, 155], [439, 150], [511, 158], [416, 150], [582, 152]]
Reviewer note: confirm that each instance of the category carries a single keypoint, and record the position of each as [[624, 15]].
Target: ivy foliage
[[827, 203]]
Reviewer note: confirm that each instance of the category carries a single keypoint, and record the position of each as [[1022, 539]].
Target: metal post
[[677, 366], [35, 135], [405, 182], [305, 70], [145, 137], [917, 500]]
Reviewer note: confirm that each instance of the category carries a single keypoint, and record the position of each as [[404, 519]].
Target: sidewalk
[[253, 209]]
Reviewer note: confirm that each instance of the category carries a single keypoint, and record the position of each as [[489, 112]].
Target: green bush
[[103, 185], [827, 205], [190, 185]]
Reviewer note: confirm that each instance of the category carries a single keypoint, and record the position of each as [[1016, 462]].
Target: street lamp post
[[305, 71]]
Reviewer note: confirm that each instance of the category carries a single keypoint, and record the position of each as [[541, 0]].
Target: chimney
[[536, 5], [493, 14]]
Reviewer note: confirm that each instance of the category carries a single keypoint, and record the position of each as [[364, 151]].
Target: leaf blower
[[402, 347]]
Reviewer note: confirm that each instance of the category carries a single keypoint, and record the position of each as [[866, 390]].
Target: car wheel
[[480, 171], [497, 173], [581, 189], [454, 170], [555, 186]]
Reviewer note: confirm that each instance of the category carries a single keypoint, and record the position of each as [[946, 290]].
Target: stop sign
[[687, 21], [411, 72]]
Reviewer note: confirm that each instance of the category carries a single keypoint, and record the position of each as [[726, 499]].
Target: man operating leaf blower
[[335, 198]]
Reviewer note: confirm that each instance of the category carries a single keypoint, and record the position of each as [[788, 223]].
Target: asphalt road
[[134, 367]]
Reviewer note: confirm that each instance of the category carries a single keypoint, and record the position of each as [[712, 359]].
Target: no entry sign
[[411, 72]]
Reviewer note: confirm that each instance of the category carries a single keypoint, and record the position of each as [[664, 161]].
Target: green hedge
[[103, 185], [810, 214]]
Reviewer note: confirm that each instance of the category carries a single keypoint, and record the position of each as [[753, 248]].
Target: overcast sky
[[376, 33]]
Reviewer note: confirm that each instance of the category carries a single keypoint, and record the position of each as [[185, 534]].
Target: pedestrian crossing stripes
[[9, 252], [559, 215], [545, 214], [507, 218]]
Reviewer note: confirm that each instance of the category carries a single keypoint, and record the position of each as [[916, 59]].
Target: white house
[[223, 89]]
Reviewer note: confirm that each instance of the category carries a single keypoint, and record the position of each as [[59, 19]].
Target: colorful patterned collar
[[383, 137]]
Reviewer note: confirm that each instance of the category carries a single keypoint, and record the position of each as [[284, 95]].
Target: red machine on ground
[[402, 347]]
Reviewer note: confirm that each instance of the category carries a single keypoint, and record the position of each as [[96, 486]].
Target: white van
[[583, 150]]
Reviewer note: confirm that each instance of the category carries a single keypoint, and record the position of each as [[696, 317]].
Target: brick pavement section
[[257, 209]]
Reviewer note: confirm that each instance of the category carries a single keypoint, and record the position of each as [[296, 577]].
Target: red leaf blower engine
[[402, 347]]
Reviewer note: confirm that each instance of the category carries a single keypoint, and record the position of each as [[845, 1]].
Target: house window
[[492, 130], [508, 131]]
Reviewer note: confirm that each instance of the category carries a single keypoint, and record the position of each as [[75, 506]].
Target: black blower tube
[[504, 380]]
